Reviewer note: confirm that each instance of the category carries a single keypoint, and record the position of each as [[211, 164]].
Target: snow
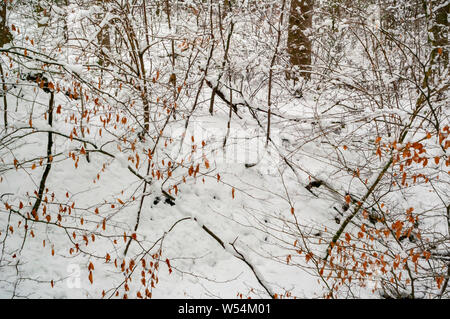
[[245, 220]]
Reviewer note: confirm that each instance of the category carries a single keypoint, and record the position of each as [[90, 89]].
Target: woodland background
[[224, 149]]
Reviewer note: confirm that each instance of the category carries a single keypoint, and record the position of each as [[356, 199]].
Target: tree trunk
[[103, 39], [439, 29], [334, 10], [5, 35], [299, 44]]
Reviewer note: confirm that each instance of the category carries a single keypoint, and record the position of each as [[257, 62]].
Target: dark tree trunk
[[299, 44], [440, 31]]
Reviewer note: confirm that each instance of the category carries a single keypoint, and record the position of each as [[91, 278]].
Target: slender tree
[[440, 10], [5, 34]]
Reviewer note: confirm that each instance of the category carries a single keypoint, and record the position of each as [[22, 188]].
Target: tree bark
[[439, 29], [299, 44], [5, 35]]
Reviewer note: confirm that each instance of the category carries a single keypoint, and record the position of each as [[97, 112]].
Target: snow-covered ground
[[205, 206]]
